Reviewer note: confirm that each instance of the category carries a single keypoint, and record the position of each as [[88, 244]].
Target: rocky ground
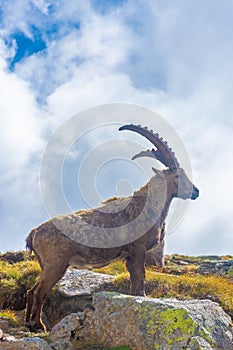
[[81, 316]]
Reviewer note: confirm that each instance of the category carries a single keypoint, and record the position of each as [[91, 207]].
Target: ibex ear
[[157, 172]]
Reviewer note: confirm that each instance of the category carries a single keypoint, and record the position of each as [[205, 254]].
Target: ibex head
[[178, 184]]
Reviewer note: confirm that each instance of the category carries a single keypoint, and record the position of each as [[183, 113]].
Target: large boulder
[[74, 293], [144, 323]]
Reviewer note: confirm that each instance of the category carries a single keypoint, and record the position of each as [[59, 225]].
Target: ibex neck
[[157, 199]]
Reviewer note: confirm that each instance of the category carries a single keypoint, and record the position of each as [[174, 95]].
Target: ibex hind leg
[[135, 264], [29, 302], [50, 276]]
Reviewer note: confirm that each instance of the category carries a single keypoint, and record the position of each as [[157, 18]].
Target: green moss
[[174, 319], [171, 325], [178, 325]]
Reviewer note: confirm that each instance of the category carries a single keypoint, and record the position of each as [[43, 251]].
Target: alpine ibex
[[56, 243]]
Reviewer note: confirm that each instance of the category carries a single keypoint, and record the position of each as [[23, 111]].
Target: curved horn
[[163, 153], [149, 153]]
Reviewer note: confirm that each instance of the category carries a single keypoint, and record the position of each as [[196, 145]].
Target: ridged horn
[[163, 153]]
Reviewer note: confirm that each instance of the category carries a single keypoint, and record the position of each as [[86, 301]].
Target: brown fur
[[111, 199], [55, 249]]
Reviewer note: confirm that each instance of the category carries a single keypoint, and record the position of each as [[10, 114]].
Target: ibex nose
[[195, 193]]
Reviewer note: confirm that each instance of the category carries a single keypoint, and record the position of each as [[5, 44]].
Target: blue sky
[[59, 58]]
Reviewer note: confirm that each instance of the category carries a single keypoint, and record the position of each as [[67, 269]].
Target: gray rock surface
[[221, 268], [74, 293], [143, 323], [35, 343], [82, 282], [198, 343], [62, 335]]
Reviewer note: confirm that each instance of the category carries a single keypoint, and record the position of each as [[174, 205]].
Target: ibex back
[[55, 249]]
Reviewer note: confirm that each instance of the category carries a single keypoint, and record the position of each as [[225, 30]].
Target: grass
[[24, 273], [185, 283], [15, 279], [182, 282], [115, 268], [218, 289], [10, 316], [179, 281]]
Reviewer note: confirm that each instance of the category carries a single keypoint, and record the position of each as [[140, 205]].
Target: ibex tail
[[29, 241]]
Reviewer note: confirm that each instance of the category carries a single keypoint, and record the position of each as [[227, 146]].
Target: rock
[[198, 343], [144, 323], [35, 343], [8, 338], [82, 282], [180, 262], [62, 334], [4, 324], [221, 268], [74, 293], [210, 257], [12, 257], [76, 331]]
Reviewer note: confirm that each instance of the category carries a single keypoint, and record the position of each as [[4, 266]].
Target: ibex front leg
[[136, 266]]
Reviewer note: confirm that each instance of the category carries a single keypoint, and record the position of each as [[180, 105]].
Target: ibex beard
[[60, 242]]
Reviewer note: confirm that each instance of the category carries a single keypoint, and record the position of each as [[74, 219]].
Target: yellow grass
[[187, 285], [15, 279], [10, 316], [115, 268]]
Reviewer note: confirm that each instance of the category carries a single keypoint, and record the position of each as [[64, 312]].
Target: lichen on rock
[[144, 323], [132, 322]]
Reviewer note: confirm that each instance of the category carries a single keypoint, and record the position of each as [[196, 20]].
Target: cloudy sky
[[58, 58]]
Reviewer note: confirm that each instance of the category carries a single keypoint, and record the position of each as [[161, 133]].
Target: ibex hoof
[[36, 327]]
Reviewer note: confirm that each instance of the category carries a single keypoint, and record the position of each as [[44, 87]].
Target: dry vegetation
[[179, 279], [15, 279]]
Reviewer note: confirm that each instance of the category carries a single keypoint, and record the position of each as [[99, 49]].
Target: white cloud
[[100, 45], [173, 58], [42, 5], [20, 126], [20, 146], [17, 16]]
